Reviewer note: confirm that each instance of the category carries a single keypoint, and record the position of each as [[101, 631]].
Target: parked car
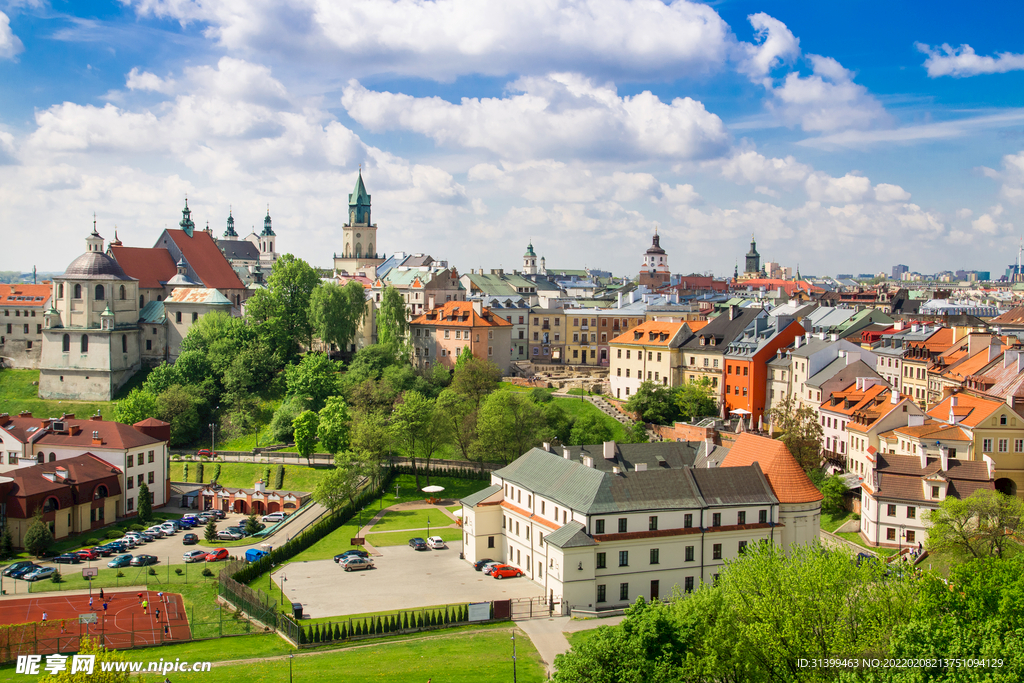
[[418, 544], [479, 564], [189, 517], [207, 453], [220, 514], [87, 554], [11, 568], [40, 573], [24, 569], [356, 562], [229, 535], [504, 571], [195, 556], [169, 528], [218, 554], [68, 558], [143, 560], [120, 561], [351, 553], [436, 542], [102, 550], [274, 517], [149, 536], [156, 532], [190, 539], [489, 567]]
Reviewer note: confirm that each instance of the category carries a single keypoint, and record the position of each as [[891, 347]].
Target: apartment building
[[746, 370], [547, 335], [882, 411], [442, 333], [704, 353], [21, 334], [650, 352]]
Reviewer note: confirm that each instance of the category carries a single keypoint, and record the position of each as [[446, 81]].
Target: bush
[[279, 477], [216, 472], [152, 571], [120, 574], [56, 577], [92, 541], [199, 473], [177, 571], [113, 533], [207, 572], [539, 395], [136, 527]]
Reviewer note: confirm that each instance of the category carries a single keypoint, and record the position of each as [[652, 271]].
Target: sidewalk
[[548, 635]]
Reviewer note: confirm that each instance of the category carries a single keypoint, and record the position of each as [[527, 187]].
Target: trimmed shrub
[[186, 472], [266, 475], [178, 571], [152, 571], [199, 472], [216, 472], [120, 574], [207, 572], [92, 541], [56, 577], [136, 527], [279, 477], [114, 533]]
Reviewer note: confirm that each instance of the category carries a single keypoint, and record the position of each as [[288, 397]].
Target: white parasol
[[432, 489]]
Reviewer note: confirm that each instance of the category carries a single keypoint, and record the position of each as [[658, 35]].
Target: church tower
[[229, 233], [359, 235], [530, 260], [655, 273], [753, 268]]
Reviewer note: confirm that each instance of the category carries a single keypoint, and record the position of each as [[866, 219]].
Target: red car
[[207, 452], [504, 571], [218, 554], [87, 554]]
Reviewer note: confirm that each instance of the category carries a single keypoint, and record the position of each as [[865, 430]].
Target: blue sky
[[847, 136]]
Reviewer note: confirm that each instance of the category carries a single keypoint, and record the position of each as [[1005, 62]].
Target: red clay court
[[124, 625]]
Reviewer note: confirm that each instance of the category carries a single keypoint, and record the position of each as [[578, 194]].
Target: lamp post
[[900, 540], [290, 658], [283, 579], [213, 437]]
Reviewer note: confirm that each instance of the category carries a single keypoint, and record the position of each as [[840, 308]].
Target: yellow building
[[650, 352]]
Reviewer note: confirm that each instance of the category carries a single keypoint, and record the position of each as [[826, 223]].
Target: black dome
[[94, 265]]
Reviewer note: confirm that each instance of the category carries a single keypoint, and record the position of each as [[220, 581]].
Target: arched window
[[124, 343], [142, 301], [41, 458], [100, 492], [78, 291], [60, 291], [100, 294], [51, 504], [359, 249], [66, 343], [53, 457], [122, 293], [160, 297], [85, 343]]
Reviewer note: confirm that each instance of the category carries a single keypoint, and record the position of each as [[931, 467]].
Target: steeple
[[530, 260], [359, 204], [94, 242], [267, 230], [186, 223], [230, 231], [753, 258]]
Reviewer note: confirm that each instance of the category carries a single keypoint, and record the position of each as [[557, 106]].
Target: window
[[623, 558], [149, 344], [1002, 419], [1004, 445], [911, 512], [622, 525], [762, 516], [100, 294], [140, 480], [78, 292], [131, 482], [602, 593], [986, 445], [85, 343], [654, 555], [490, 541], [911, 537], [195, 317], [623, 591], [517, 527], [1018, 445], [716, 519], [598, 524], [627, 354], [935, 492], [716, 551], [177, 317], [742, 547], [124, 343], [131, 460], [741, 517], [688, 584], [652, 523], [602, 560], [890, 534], [150, 478], [687, 521], [66, 343], [689, 553]]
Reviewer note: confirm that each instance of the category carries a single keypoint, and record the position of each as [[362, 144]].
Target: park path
[[548, 635], [414, 505]]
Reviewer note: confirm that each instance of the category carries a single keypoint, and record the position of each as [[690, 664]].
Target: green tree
[[457, 415], [6, 543], [281, 428], [558, 423], [418, 430], [637, 433], [333, 425], [336, 312], [589, 429], [984, 524], [183, 408], [161, 378], [392, 320], [193, 367], [252, 525], [833, 491], [801, 431], [145, 504], [38, 538], [210, 534], [370, 439], [695, 400], [465, 355], [475, 378], [338, 486], [135, 407], [509, 425], [305, 433], [653, 403], [91, 646], [292, 283], [314, 378]]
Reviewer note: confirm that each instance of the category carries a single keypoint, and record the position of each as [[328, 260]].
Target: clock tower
[[359, 236]]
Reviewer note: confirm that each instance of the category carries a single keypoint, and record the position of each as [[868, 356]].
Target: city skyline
[[847, 140]]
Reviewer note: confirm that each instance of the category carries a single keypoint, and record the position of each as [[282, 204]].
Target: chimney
[[834, 336], [25, 413], [953, 401], [821, 335], [944, 458], [798, 342], [894, 397], [616, 470], [915, 420], [924, 459], [640, 467], [619, 304], [588, 461], [732, 312], [565, 452], [478, 307], [96, 440], [609, 450], [61, 473], [914, 328], [260, 486], [1010, 357], [547, 446], [898, 326]]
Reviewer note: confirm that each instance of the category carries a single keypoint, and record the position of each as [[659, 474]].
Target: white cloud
[[924, 132], [145, 80], [442, 39], [1011, 177], [850, 188], [884, 192], [10, 44], [7, 153], [774, 45], [554, 116], [751, 168], [827, 100], [962, 61]]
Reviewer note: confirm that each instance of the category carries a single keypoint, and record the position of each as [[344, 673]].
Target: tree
[[653, 403], [801, 431], [333, 425], [338, 486], [370, 439], [193, 367], [985, 524], [305, 433], [210, 534], [145, 504], [475, 378], [135, 407], [695, 400], [509, 424], [589, 429], [6, 543], [292, 284], [336, 312], [183, 409], [392, 322], [105, 659], [252, 525], [38, 537], [161, 378], [637, 433], [416, 427], [314, 378], [457, 415], [281, 426], [465, 355], [833, 490], [558, 423]]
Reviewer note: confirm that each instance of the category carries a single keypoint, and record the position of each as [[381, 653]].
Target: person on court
[[104, 609], [140, 597], [145, 606], [101, 594], [90, 602], [158, 614], [44, 617]]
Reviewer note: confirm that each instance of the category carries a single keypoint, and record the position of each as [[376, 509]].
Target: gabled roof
[[571, 535], [25, 296], [930, 430], [900, 476], [787, 479], [151, 267], [460, 314], [723, 330], [153, 313], [22, 428], [971, 409], [206, 259], [652, 333], [239, 250], [113, 435], [83, 473], [480, 496]]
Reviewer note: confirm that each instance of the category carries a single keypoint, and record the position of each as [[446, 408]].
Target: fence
[[536, 608], [394, 623], [153, 575], [255, 603]]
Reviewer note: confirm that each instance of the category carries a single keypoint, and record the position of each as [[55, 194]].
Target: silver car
[[195, 555], [356, 562], [228, 535]]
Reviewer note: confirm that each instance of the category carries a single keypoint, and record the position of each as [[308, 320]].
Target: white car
[[274, 517], [157, 531], [436, 543], [168, 529]]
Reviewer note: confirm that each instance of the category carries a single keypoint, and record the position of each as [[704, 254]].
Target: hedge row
[[457, 473], [391, 623]]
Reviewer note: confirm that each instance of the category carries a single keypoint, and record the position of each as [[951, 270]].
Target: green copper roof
[[267, 230], [359, 196], [152, 313], [186, 223], [571, 535], [529, 251], [230, 232], [480, 496]]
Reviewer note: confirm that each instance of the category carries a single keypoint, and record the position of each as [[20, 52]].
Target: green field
[[395, 520], [830, 522], [473, 656], [245, 474], [576, 408], [401, 538]]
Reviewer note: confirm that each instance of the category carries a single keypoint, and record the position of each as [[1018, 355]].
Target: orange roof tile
[[972, 409], [460, 314], [695, 325], [787, 479], [859, 399], [22, 296], [151, 267], [650, 333], [206, 259]]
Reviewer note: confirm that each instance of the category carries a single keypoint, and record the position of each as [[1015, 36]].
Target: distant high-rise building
[[899, 271]]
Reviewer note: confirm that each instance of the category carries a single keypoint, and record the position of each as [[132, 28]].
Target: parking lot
[[403, 578]]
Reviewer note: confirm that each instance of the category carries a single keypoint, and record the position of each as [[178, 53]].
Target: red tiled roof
[[206, 259], [151, 267], [460, 314], [19, 427], [787, 479], [972, 408], [663, 333], [788, 286], [526, 513], [25, 296], [113, 435], [84, 473]]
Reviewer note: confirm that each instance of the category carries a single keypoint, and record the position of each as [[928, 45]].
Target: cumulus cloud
[[10, 44], [1011, 177], [751, 168], [884, 192], [827, 100], [442, 39], [557, 115], [147, 81], [963, 61], [774, 44]]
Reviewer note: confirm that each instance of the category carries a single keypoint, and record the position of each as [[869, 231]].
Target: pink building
[[440, 335]]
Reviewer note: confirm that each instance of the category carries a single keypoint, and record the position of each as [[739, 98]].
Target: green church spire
[[186, 223], [359, 203]]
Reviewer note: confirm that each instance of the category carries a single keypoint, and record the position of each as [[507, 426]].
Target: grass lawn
[[401, 538], [17, 393], [454, 488], [830, 522], [395, 520], [245, 474], [854, 537], [473, 656], [508, 386], [576, 408]]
